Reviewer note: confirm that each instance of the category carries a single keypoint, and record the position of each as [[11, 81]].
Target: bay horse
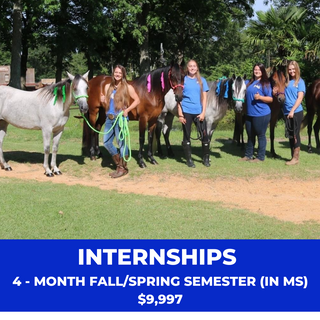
[[151, 89], [45, 109], [313, 106], [223, 94]]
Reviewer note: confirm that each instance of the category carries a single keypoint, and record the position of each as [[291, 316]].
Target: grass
[[31, 210]]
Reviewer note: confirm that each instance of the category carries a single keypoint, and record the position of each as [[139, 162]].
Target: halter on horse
[[46, 109]]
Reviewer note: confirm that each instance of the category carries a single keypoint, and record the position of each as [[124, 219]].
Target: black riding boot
[[187, 151], [206, 153]]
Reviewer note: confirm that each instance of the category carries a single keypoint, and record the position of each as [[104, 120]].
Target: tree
[[15, 69], [280, 31]]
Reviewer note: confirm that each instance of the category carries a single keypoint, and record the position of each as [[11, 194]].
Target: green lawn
[[32, 210]]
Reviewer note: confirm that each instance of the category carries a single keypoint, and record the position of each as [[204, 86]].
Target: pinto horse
[[151, 89], [313, 107], [222, 94]]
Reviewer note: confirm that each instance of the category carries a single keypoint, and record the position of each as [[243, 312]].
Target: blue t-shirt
[[257, 108], [291, 93], [111, 104], [191, 98]]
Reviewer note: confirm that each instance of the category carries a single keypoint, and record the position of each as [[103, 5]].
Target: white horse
[[46, 109], [223, 94]]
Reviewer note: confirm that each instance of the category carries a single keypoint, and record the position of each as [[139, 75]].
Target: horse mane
[[225, 90], [152, 79], [48, 92]]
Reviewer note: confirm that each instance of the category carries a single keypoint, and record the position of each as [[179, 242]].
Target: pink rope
[[149, 83], [162, 81]]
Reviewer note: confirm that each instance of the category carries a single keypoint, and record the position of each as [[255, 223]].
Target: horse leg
[[158, 131], [273, 121], [142, 131], [241, 125], [55, 146], [99, 123], [3, 131], [316, 132], [310, 115], [46, 135], [151, 132], [166, 133]]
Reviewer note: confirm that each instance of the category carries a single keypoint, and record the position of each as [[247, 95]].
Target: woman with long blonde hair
[[193, 110], [116, 98], [293, 110]]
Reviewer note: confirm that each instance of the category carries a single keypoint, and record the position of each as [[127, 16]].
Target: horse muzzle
[[83, 105]]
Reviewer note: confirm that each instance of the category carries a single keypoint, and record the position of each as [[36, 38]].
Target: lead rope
[[124, 133]]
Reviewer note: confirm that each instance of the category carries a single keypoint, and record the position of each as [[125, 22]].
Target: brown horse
[[151, 89], [313, 107], [278, 80]]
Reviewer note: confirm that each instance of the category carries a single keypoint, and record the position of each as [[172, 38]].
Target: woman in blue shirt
[[116, 98], [258, 95], [193, 110], [292, 109]]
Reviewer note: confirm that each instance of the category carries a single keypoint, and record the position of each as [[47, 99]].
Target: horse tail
[[304, 122]]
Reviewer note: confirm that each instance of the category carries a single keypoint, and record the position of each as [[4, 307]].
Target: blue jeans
[[109, 137], [257, 127]]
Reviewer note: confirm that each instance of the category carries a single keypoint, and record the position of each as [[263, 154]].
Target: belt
[[111, 116]]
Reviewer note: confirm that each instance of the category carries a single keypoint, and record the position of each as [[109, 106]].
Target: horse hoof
[[8, 169], [142, 165], [58, 173], [50, 175], [154, 162]]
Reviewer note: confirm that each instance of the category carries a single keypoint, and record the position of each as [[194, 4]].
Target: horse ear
[[86, 75], [234, 77], [71, 77], [244, 77]]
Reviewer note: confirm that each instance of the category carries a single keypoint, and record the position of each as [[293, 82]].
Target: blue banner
[[160, 275]]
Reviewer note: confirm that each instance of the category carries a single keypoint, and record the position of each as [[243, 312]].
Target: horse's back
[[26, 109]]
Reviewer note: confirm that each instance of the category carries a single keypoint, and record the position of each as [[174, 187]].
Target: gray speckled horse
[[46, 109], [223, 94]]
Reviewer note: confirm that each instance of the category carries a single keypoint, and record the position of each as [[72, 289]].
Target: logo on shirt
[[257, 86]]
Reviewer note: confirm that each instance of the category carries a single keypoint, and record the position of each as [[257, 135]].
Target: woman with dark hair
[[116, 98], [193, 110], [258, 95]]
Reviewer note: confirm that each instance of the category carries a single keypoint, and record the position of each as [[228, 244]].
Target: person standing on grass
[[116, 98], [258, 95], [192, 110], [293, 110]]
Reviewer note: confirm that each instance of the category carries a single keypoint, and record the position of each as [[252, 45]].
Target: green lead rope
[[124, 133]]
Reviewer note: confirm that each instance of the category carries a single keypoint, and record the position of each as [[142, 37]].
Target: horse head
[[238, 92], [176, 79], [80, 90], [278, 84]]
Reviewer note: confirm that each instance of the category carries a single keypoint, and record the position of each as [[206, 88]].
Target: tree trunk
[[144, 49], [16, 46]]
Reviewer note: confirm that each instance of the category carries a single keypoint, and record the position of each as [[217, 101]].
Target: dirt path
[[266, 197]]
